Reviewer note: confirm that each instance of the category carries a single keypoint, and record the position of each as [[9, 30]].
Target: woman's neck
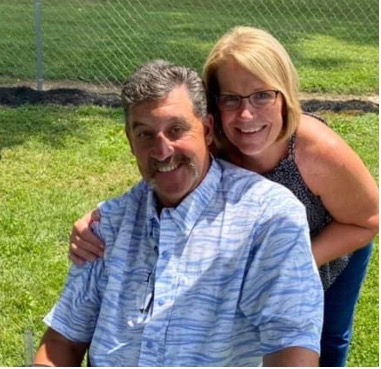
[[262, 163]]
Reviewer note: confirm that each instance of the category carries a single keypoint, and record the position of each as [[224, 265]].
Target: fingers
[[76, 259], [82, 230], [81, 251], [83, 248], [95, 215], [84, 244]]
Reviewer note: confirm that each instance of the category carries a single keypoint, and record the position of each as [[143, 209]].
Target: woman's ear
[[208, 129]]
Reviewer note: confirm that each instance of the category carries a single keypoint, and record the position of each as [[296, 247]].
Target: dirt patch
[[16, 96], [19, 95], [315, 105]]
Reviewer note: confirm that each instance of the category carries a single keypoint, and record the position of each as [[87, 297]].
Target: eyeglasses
[[257, 99]]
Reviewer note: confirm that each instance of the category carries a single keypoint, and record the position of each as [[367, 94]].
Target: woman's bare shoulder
[[320, 152]]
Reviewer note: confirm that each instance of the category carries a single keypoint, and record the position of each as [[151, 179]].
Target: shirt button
[[167, 213], [161, 302], [149, 344], [165, 255]]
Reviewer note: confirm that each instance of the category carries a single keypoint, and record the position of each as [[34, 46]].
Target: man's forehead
[[175, 107], [136, 123]]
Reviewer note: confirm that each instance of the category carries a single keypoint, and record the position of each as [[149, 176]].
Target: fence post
[[28, 347], [39, 58]]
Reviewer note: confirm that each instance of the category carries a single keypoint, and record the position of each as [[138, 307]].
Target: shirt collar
[[189, 210]]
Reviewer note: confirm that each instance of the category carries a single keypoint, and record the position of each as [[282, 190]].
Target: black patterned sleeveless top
[[287, 174]]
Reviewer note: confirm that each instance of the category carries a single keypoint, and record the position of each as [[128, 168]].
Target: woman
[[252, 87]]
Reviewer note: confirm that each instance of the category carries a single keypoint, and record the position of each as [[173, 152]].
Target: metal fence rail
[[101, 41]]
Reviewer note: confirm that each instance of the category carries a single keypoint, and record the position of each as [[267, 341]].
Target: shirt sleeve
[[282, 293], [75, 314]]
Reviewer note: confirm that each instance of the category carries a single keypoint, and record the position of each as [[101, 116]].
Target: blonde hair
[[261, 54]]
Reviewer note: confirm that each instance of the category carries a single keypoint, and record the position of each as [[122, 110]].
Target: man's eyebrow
[[173, 120], [179, 120], [136, 124]]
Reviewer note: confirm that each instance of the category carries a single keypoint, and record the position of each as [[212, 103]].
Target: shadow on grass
[[54, 126], [41, 116]]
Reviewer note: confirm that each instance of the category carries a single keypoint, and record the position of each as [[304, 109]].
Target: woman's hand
[[84, 244]]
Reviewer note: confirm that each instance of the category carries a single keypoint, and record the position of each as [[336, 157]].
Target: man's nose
[[162, 147]]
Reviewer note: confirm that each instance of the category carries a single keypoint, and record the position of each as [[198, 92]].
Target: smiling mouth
[[250, 130], [167, 168]]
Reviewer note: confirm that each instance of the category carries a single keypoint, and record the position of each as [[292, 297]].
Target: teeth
[[252, 130], [168, 168]]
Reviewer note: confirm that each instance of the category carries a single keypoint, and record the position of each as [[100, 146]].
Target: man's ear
[[129, 137], [208, 129]]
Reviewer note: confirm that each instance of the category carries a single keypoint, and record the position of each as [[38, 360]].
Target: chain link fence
[[98, 42]]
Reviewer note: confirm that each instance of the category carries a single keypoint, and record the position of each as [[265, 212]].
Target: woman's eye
[[230, 99], [263, 95]]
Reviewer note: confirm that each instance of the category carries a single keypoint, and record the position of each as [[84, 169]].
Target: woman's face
[[252, 129]]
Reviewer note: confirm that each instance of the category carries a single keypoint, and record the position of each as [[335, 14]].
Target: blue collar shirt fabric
[[222, 279]]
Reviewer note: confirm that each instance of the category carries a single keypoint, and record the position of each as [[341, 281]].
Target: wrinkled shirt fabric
[[222, 279]]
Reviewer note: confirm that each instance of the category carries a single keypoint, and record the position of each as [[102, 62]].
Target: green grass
[[334, 44], [56, 164], [59, 162]]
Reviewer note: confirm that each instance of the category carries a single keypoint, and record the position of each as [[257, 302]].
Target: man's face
[[171, 145]]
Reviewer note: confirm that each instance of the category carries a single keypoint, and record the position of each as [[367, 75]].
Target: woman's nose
[[246, 110]]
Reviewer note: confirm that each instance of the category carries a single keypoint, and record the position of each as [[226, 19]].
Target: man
[[205, 264]]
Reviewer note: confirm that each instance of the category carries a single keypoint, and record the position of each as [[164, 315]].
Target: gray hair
[[155, 80]]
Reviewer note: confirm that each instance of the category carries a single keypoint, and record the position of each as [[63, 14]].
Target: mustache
[[176, 160], [154, 165]]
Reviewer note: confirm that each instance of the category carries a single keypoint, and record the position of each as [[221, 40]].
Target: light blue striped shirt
[[222, 279]]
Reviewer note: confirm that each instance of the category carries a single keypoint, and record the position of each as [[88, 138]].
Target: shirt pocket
[[127, 297]]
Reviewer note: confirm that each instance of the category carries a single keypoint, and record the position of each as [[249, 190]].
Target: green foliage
[[59, 162]]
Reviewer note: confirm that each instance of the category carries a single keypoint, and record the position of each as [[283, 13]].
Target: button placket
[[154, 336]]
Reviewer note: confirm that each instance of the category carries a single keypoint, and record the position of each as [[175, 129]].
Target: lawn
[[57, 163], [333, 43]]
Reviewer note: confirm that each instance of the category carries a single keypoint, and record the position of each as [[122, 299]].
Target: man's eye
[[176, 131], [144, 135]]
